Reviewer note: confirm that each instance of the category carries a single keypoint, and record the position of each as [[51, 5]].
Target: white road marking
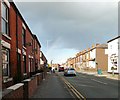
[[99, 81], [85, 85]]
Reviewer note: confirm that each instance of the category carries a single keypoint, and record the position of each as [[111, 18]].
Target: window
[[118, 44], [4, 19], [24, 63], [32, 44], [30, 65], [23, 37], [5, 61], [110, 46]]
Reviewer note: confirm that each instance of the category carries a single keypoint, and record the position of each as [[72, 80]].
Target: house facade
[[94, 57], [91, 59], [43, 61], [36, 52], [77, 61], [113, 54], [92, 63], [20, 48], [98, 57]]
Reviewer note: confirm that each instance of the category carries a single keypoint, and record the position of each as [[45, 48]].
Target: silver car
[[69, 71]]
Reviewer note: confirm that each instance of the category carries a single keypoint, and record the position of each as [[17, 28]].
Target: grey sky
[[65, 28]]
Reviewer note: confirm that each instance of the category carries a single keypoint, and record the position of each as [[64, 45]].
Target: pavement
[[104, 74], [52, 87]]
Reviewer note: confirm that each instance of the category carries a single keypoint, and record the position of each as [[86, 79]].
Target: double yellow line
[[73, 90]]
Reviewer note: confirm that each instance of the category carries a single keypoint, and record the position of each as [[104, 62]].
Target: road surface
[[91, 86]]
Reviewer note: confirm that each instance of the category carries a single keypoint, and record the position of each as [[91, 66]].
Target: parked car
[[61, 69], [70, 71]]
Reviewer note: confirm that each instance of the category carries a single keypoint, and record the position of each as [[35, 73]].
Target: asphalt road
[[91, 86]]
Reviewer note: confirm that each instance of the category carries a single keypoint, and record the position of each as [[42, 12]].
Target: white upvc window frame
[[4, 50], [5, 20]]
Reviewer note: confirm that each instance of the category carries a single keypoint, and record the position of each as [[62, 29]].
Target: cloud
[[71, 25]]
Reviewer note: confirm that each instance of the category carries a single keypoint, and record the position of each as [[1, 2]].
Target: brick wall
[[23, 90], [13, 55], [39, 78], [19, 33], [37, 52], [30, 54], [102, 59], [14, 92], [30, 86], [20, 42], [7, 84]]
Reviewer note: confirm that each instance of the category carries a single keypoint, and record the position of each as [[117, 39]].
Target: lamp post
[[51, 62]]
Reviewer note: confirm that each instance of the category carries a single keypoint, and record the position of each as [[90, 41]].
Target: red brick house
[[20, 48], [36, 52], [43, 60]]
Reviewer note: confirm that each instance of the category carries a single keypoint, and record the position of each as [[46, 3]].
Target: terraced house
[[97, 57], [20, 48], [70, 62], [91, 59], [113, 55], [43, 61]]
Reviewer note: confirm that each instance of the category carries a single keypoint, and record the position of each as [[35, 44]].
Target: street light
[[51, 62]]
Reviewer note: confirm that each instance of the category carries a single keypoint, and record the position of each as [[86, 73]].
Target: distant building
[[94, 58], [70, 63], [113, 48], [77, 61], [56, 66], [91, 59], [98, 57], [43, 61]]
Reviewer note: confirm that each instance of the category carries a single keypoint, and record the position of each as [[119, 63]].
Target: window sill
[[24, 47], [24, 74], [6, 36], [6, 79]]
